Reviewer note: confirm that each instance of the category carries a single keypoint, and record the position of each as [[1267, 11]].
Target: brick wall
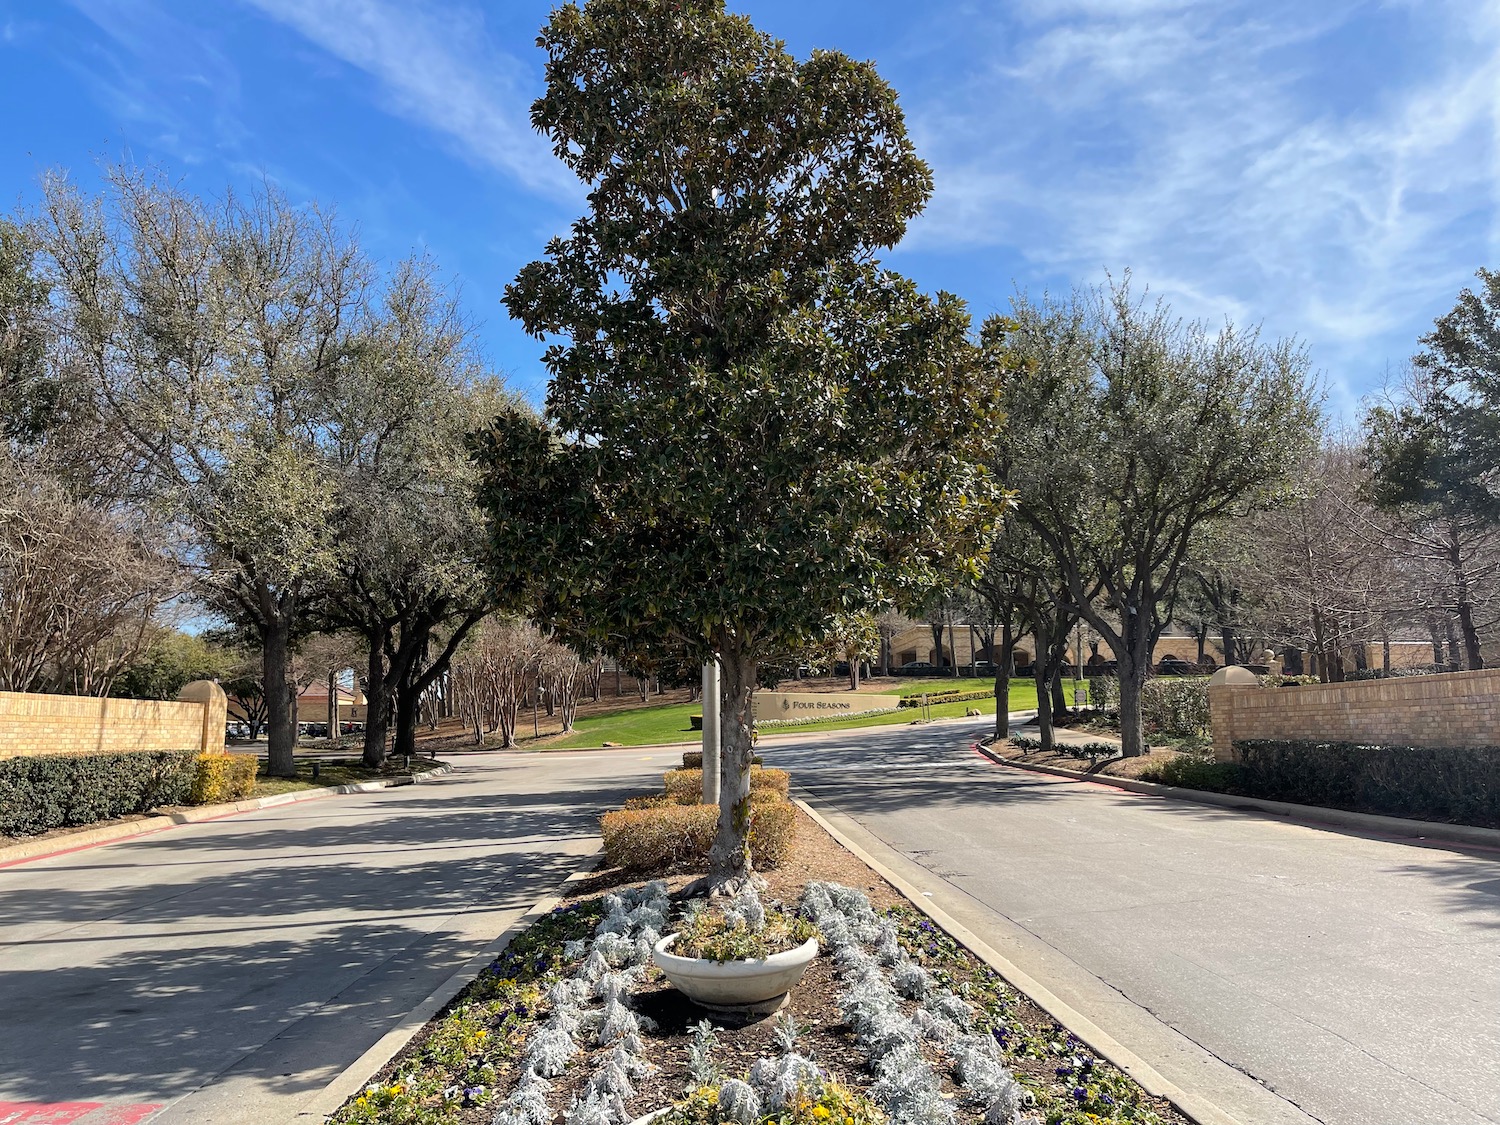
[[1456, 709], [71, 724]]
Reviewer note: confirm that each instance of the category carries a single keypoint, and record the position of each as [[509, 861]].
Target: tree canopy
[[752, 426]]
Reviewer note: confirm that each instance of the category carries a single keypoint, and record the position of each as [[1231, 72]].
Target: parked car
[[984, 668], [1175, 666], [915, 668]]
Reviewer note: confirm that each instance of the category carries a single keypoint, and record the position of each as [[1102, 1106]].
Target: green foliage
[[1456, 784], [1195, 771], [221, 777], [171, 660], [28, 395], [1137, 432], [752, 428], [939, 697], [1175, 707], [1104, 693], [709, 935], [69, 790]]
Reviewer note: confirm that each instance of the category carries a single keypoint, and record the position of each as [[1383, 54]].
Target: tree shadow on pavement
[[276, 947]]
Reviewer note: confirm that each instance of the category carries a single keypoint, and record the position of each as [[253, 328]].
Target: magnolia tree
[[752, 428]]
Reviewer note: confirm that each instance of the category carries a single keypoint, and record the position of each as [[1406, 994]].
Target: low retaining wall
[[31, 725], [1458, 709]]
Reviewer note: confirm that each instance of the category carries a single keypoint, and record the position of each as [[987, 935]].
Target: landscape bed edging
[[1191, 1106], [357, 1074], [1316, 814], [112, 833]]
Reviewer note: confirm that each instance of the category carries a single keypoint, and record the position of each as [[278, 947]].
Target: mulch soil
[[813, 1003]]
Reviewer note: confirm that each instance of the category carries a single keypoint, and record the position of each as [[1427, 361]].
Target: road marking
[[75, 1113]]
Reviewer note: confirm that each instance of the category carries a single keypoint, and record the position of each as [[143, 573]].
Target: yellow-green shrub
[[221, 777], [686, 786], [653, 839]]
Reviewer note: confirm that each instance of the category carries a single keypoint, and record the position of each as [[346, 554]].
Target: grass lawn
[[652, 726], [329, 774]]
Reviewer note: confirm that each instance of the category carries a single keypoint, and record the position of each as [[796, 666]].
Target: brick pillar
[[215, 711]]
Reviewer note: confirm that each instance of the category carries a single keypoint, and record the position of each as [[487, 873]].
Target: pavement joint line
[[16, 854], [1193, 1106], [357, 1074], [1395, 828]]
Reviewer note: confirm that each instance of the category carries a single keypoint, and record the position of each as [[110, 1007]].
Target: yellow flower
[[820, 1111]]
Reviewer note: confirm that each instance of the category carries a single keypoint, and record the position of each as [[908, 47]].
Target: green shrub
[[686, 786], [1457, 784], [656, 839], [1104, 693], [1177, 707], [693, 760], [221, 777], [1193, 771], [68, 790], [934, 698]]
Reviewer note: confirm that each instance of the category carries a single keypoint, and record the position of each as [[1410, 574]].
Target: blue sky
[[1327, 168]]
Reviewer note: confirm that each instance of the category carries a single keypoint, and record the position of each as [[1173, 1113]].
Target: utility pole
[[711, 732]]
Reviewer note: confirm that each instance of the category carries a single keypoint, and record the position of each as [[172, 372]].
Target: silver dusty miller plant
[[877, 972]]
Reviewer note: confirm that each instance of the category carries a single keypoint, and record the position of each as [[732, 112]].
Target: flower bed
[[571, 1026]]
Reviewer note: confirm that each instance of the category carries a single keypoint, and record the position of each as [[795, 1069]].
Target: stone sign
[[819, 705]]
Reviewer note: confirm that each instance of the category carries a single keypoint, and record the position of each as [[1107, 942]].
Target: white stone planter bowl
[[745, 986]]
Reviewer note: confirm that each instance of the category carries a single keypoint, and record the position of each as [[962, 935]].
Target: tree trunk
[[1454, 663], [953, 648], [408, 712], [1227, 643], [1042, 674], [377, 701], [1385, 654], [281, 716], [729, 858], [937, 643], [1002, 681], [1059, 694], [1132, 680], [854, 671], [333, 707]]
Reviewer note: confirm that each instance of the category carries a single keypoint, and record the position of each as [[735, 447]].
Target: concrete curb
[[111, 833], [1314, 816], [1192, 1106], [357, 1074]]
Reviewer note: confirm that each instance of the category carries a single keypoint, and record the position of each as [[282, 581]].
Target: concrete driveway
[[1287, 972], [228, 970]]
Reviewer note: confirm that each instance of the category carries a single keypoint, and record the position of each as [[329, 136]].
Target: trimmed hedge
[[1456, 784], [1175, 706], [224, 777], [656, 839], [68, 790], [693, 759], [1191, 771], [686, 786], [934, 698]]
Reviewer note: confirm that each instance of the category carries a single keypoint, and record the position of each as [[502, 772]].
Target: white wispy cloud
[[436, 66], [1208, 145]]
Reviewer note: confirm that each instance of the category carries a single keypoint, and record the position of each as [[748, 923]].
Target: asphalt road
[[1355, 979], [230, 969]]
